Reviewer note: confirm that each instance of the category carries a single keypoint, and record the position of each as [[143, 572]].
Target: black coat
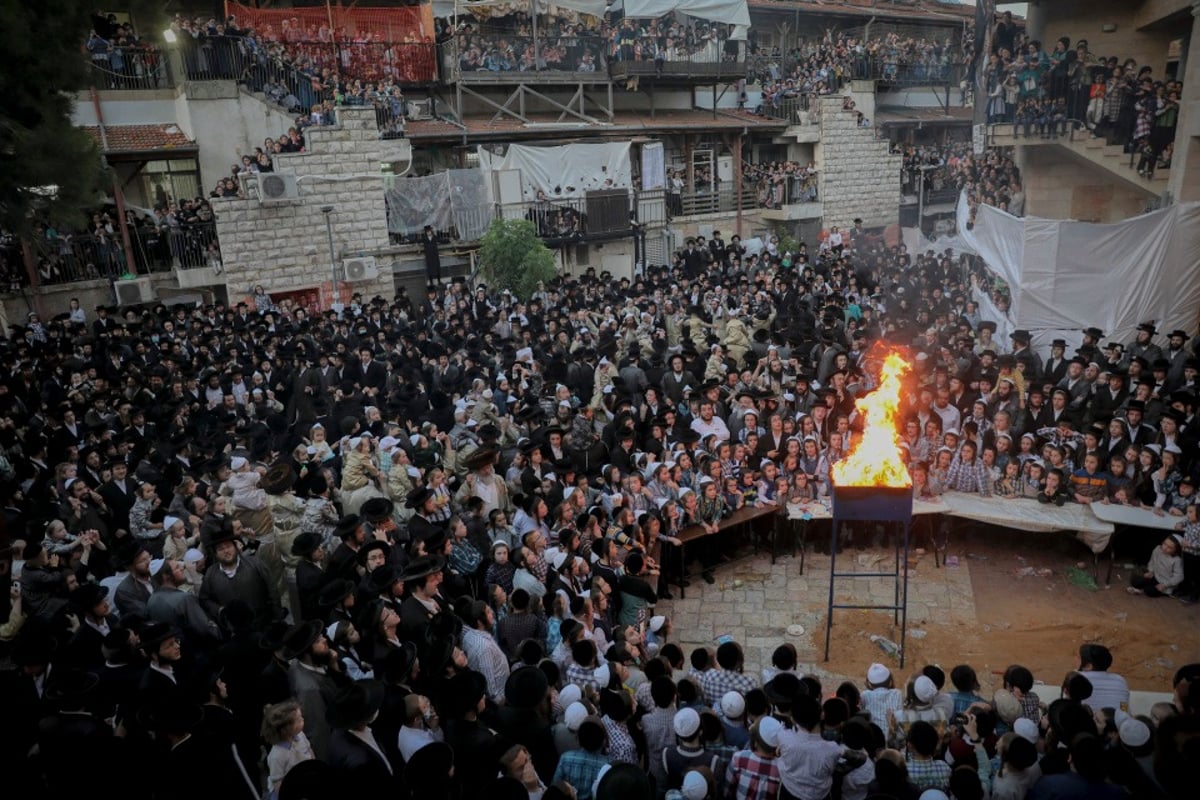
[[362, 767]]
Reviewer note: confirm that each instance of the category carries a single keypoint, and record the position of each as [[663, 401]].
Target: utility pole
[[336, 305]]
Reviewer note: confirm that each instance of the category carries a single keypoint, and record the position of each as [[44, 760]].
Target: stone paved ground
[[755, 603]]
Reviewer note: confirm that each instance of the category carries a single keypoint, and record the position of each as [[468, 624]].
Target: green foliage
[[514, 258], [47, 165]]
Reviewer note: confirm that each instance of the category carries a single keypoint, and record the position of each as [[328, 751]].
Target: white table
[[1140, 517]]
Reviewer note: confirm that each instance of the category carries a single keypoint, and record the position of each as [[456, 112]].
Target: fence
[[131, 68], [714, 61], [82, 257], [793, 110], [489, 53], [787, 190], [722, 201]]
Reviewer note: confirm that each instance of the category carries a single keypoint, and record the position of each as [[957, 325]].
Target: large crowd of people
[[419, 548], [1046, 93], [824, 65]]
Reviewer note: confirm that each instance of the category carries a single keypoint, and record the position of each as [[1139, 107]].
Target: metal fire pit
[[891, 506]]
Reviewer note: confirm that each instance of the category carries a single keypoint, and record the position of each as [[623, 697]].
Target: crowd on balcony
[[1046, 94], [946, 169], [422, 550], [586, 44], [780, 183], [171, 235], [820, 66], [122, 58]]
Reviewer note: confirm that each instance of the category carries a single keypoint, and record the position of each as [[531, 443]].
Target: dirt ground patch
[[1028, 610]]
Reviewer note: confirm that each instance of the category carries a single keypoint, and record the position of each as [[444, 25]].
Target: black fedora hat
[[357, 703], [783, 688], [273, 637], [301, 637], [172, 713], [306, 543], [525, 687], [417, 497], [423, 567], [383, 578], [378, 509], [87, 596], [334, 592], [347, 526], [156, 633], [370, 547], [219, 534], [70, 684], [481, 457], [399, 663], [279, 478], [435, 539]]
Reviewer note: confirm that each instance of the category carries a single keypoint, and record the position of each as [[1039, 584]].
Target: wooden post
[[737, 178]]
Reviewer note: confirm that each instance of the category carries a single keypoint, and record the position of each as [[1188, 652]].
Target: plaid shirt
[[973, 477], [583, 677], [716, 682], [579, 768], [932, 773], [1031, 706], [621, 747], [750, 776]]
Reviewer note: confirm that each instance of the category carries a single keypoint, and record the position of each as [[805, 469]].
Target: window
[[164, 181]]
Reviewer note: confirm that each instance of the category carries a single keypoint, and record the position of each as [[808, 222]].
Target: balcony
[[497, 58], [131, 69], [714, 64], [86, 257], [790, 200]]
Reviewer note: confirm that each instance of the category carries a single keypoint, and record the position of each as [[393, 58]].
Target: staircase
[[1083, 144]]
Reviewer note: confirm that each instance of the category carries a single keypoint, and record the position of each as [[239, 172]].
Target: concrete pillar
[[1184, 183]]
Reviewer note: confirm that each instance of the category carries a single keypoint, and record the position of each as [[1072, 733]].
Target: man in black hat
[[1079, 389], [1055, 368], [311, 681], [89, 602], [237, 575], [433, 260], [421, 526], [354, 750], [1143, 344], [343, 560], [1025, 355], [1176, 355], [423, 576], [310, 577], [1107, 399]]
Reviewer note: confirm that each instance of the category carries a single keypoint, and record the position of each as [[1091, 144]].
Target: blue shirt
[[580, 768]]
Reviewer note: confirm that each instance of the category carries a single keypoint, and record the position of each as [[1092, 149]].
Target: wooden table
[[742, 517]]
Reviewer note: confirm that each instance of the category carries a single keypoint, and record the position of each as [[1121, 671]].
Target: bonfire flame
[[876, 459]]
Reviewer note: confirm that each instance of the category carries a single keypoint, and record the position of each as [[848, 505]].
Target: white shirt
[[1109, 690], [411, 740], [716, 426]]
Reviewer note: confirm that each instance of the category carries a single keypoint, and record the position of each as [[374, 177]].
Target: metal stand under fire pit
[[873, 504]]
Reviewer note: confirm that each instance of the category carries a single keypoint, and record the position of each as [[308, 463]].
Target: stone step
[[1115, 150]]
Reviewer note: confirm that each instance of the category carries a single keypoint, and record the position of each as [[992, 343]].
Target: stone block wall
[[859, 177], [285, 247]]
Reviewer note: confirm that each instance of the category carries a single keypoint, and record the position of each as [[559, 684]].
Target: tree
[[47, 165], [514, 258]]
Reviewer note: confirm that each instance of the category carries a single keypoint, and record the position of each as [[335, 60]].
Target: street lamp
[[337, 304]]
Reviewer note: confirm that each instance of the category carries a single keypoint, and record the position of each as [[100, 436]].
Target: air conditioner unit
[[420, 109], [360, 269], [277, 187], [133, 292]]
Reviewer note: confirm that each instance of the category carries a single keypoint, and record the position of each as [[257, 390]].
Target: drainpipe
[[118, 195]]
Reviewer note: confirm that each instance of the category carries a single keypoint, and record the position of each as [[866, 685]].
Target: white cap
[[560, 558], [169, 522], [571, 693], [414, 439], [733, 705], [388, 442], [604, 361], [657, 622], [525, 354], [695, 786], [472, 423], [878, 674], [768, 731], [608, 388], [237, 463], [1027, 729], [602, 675], [355, 442], [574, 716], [686, 722], [924, 689], [1134, 733], [488, 394], [156, 565], [934, 794], [192, 556]]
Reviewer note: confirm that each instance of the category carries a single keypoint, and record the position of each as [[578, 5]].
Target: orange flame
[[876, 459]]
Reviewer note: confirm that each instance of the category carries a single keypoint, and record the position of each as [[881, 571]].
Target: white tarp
[[1066, 276], [564, 171], [731, 12]]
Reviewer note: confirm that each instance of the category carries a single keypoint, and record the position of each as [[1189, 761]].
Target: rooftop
[[925, 10], [140, 139]]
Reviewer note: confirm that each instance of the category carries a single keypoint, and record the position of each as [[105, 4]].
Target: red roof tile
[[139, 138]]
